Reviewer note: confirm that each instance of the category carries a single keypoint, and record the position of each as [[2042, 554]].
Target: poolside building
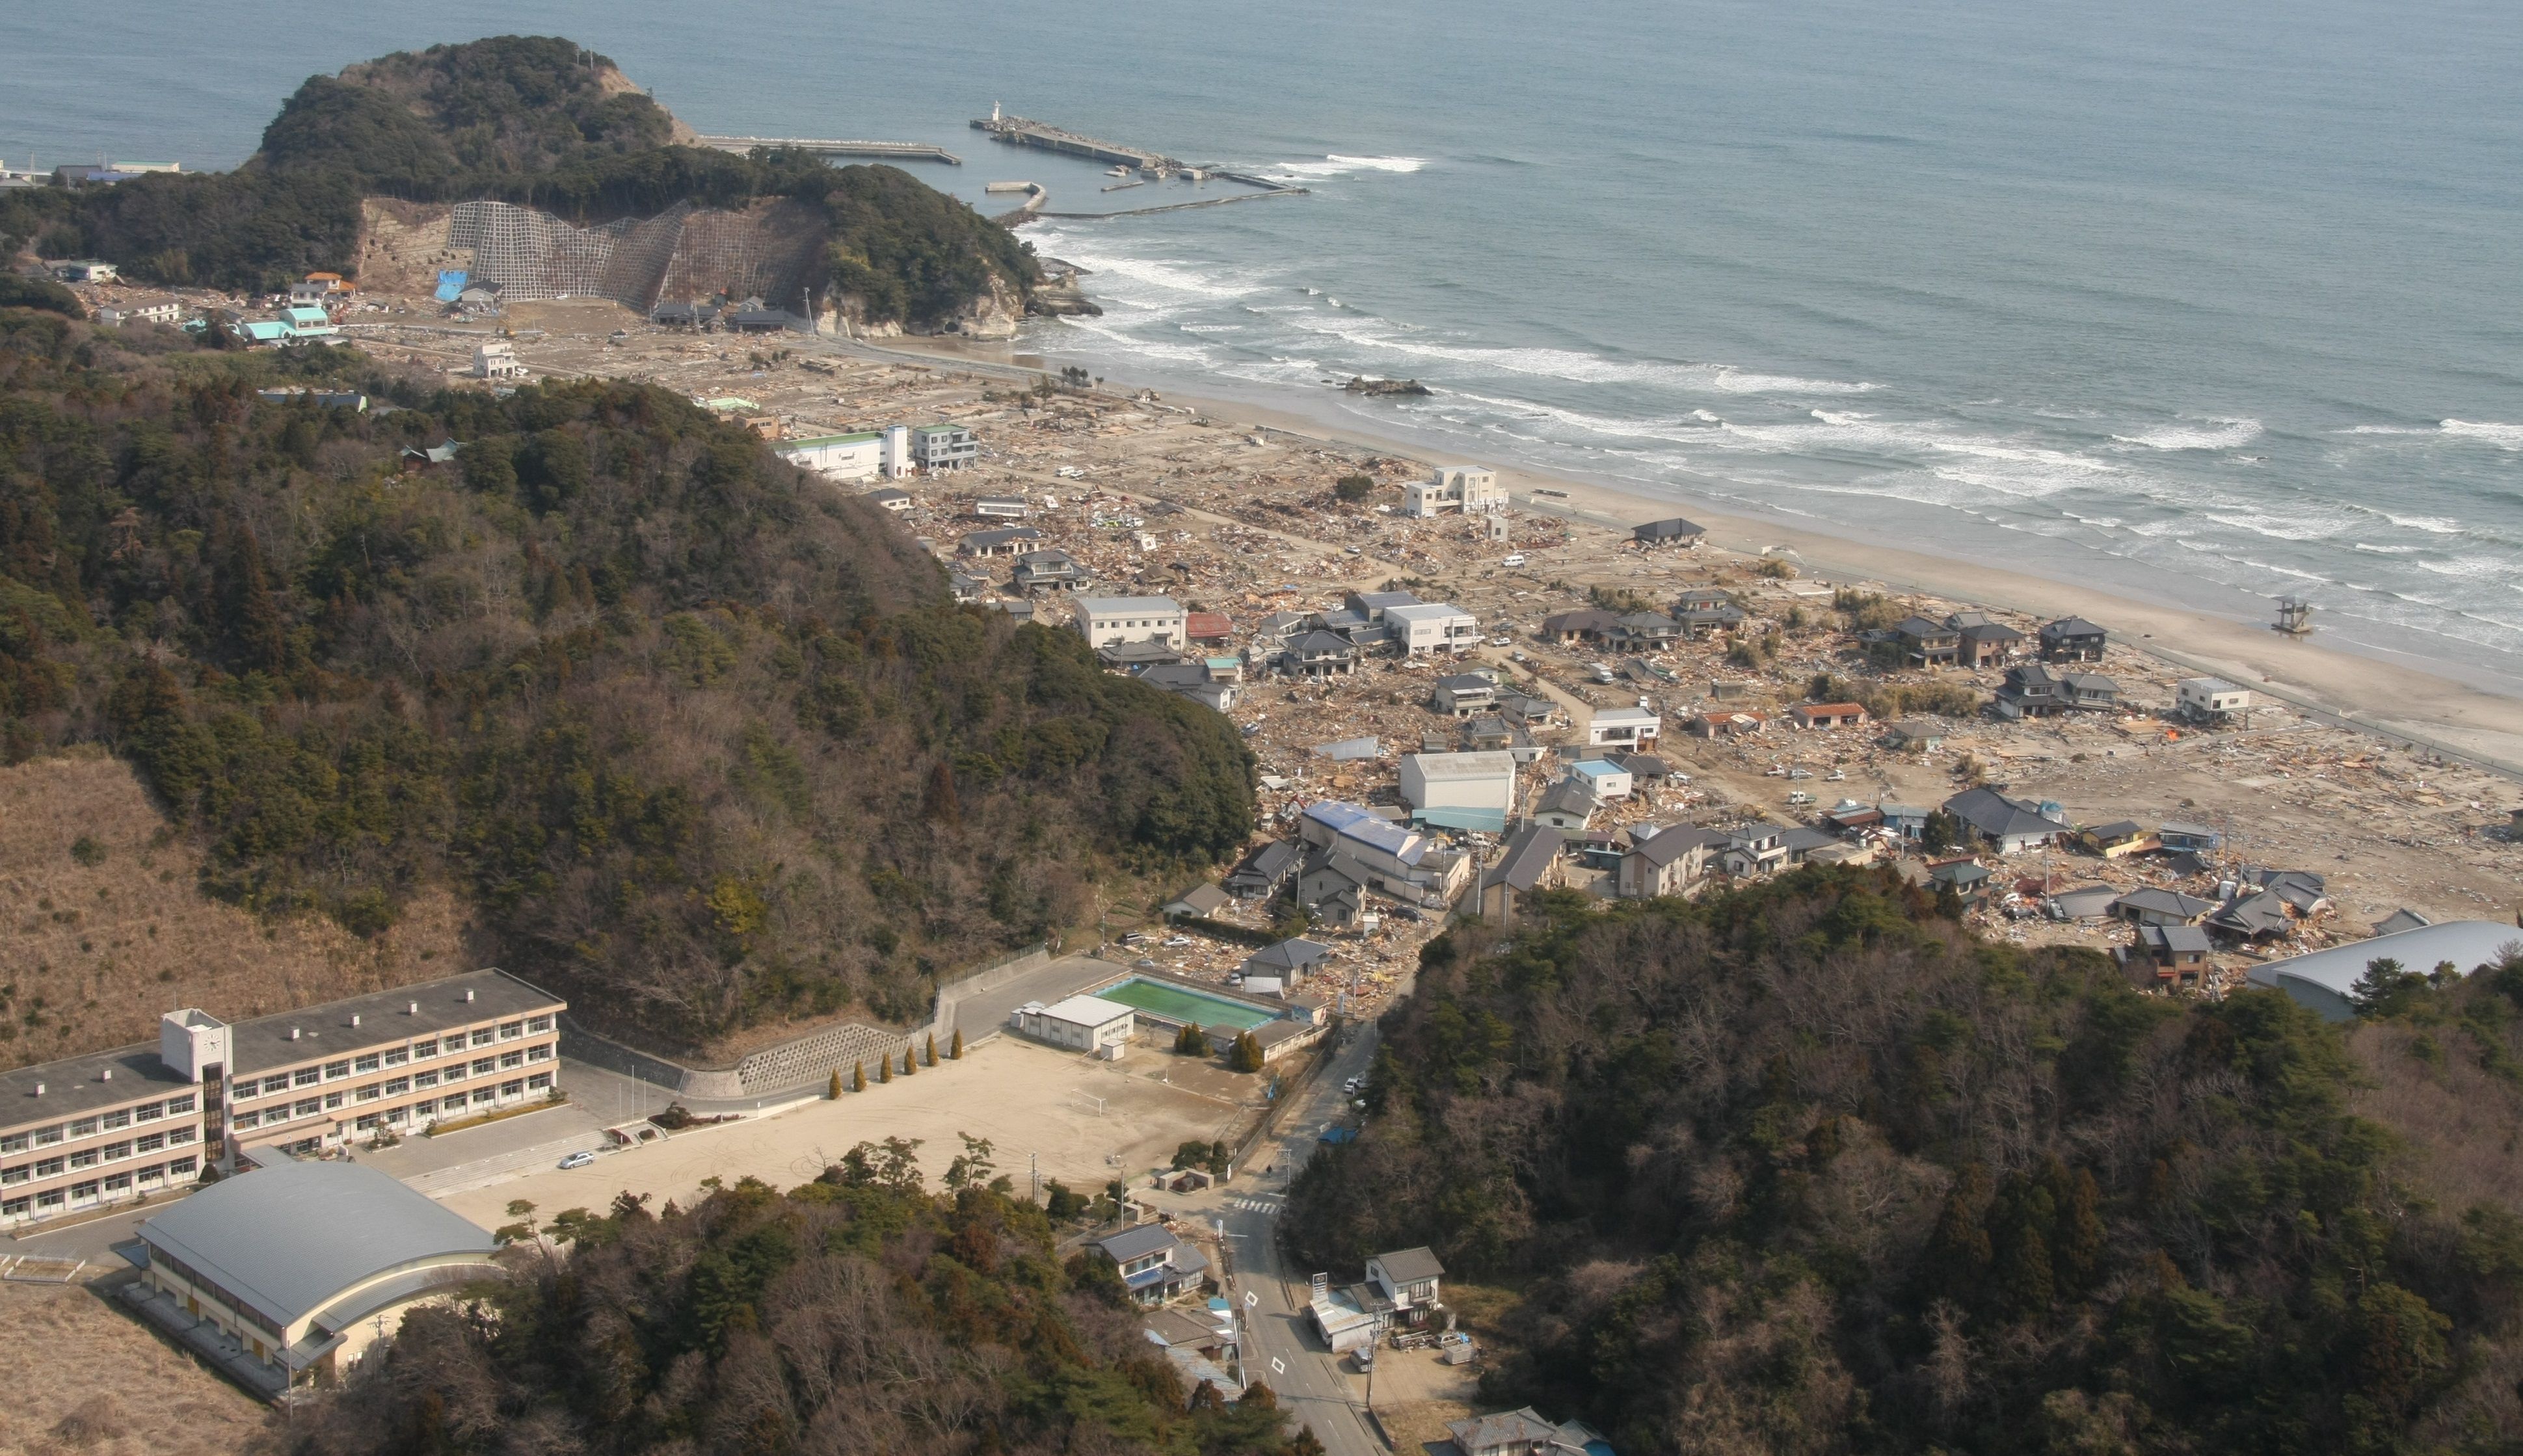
[[1082, 1024]]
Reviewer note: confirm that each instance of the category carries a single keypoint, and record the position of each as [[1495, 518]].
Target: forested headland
[[530, 120], [1808, 1169], [860, 1312], [702, 740]]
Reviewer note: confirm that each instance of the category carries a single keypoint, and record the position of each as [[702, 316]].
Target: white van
[[1516, 559]]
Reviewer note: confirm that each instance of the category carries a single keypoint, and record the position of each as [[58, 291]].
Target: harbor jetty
[[827, 147], [1139, 162]]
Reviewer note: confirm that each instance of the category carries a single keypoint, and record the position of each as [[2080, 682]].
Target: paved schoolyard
[[1025, 1099], [977, 1014]]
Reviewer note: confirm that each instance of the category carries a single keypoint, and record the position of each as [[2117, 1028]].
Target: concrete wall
[[802, 1061]]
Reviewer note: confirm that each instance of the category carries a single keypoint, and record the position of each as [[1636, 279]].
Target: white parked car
[[579, 1160], [1178, 941]]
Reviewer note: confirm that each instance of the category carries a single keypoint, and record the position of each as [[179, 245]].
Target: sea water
[[2204, 303]]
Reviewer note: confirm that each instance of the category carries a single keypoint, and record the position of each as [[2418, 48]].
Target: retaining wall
[[803, 1060]]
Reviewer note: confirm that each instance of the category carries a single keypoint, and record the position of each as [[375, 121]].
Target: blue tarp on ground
[[450, 283], [1338, 1135]]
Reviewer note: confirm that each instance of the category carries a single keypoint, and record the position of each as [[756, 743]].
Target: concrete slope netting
[[770, 250]]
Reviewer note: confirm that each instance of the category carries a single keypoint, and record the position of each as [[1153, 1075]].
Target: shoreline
[[2396, 700]]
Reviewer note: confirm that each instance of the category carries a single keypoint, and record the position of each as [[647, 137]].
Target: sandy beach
[[2397, 699]]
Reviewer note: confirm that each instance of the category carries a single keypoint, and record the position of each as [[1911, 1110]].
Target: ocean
[[2201, 304]]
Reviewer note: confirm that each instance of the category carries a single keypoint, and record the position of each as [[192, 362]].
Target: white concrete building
[[1623, 728], [1082, 1024], [858, 456], [1431, 627], [497, 360], [2209, 699], [1110, 620], [1606, 780], [147, 311], [1461, 790], [1466, 490], [944, 446]]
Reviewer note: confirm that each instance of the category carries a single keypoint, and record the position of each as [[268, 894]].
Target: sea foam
[[2207, 434]]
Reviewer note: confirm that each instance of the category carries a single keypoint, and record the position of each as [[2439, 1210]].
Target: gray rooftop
[[1118, 606], [1527, 856], [73, 1086], [1667, 845], [1138, 1242], [1410, 1265], [383, 1016], [2467, 943], [1288, 955], [287, 1239]]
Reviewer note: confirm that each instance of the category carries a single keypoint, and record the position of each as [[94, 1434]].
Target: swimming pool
[[1181, 1004]]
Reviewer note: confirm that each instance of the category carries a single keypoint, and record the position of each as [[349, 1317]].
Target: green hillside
[[857, 1312], [531, 119], [1806, 1168], [702, 739]]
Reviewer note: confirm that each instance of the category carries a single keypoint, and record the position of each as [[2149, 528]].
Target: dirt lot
[[85, 1380], [95, 950], [1027, 1099]]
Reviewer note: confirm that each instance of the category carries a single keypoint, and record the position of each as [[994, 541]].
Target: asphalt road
[[1282, 1348]]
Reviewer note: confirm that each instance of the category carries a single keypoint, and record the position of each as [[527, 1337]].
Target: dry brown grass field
[[84, 1380], [93, 949]]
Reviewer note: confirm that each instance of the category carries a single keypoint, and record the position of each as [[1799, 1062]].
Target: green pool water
[[1179, 1004]]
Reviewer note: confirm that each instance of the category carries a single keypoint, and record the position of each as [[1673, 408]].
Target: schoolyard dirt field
[[83, 1379], [1027, 1099]]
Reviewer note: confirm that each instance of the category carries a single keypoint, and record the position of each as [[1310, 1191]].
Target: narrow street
[[1281, 1349]]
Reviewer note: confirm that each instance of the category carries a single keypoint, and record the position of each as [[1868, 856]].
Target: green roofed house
[[856, 456]]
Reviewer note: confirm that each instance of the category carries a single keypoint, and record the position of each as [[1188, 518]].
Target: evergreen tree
[[858, 1076], [884, 1070], [932, 1049], [834, 1092], [1246, 1055], [955, 1048]]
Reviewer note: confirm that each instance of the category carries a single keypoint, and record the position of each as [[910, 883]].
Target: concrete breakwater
[[834, 147], [1022, 131]]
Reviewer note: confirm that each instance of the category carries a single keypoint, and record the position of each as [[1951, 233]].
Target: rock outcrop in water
[[1362, 384]]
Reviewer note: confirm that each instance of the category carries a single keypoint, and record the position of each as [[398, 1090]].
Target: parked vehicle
[[579, 1160], [1798, 800], [1516, 559]]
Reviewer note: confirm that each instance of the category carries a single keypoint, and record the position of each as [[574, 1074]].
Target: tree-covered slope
[[856, 1313], [701, 737], [530, 120], [1806, 1168]]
